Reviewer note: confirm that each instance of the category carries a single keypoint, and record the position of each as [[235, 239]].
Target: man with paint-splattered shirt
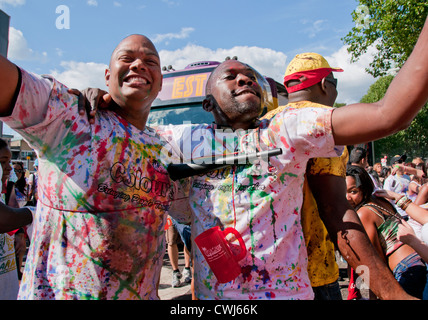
[[103, 193]]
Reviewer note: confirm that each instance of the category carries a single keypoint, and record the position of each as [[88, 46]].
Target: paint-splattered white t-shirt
[[261, 200], [103, 199]]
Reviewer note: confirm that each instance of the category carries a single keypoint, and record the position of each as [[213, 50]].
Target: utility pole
[[4, 43]]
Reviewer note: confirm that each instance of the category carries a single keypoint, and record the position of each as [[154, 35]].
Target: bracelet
[[401, 201], [405, 205]]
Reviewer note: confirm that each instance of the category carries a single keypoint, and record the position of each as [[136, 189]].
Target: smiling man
[[103, 193]]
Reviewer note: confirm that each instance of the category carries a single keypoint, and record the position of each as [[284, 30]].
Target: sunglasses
[[333, 81], [19, 170]]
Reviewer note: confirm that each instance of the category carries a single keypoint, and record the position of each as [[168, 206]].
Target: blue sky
[[266, 34]]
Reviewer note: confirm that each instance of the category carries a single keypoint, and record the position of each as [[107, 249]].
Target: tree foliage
[[393, 26], [413, 141]]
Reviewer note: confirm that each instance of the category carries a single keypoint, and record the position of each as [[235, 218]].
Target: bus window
[[178, 115]]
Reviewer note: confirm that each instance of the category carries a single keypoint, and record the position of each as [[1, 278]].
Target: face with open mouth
[[134, 76]]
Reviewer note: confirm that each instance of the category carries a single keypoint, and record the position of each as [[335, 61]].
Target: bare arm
[[347, 232], [422, 195], [406, 95], [13, 218], [9, 77], [407, 236]]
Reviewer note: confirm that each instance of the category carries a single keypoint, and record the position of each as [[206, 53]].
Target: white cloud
[[93, 3], [171, 3], [81, 75], [18, 46], [267, 61], [314, 28], [20, 51], [184, 33], [14, 3], [354, 81], [117, 4]]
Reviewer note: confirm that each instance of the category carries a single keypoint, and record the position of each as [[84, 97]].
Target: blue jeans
[[411, 274], [328, 292]]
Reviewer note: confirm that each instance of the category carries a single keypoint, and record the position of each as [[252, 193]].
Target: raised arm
[[9, 78], [406, 95]]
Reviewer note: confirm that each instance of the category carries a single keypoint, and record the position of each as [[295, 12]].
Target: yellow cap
[[307, 62], [313, 66]]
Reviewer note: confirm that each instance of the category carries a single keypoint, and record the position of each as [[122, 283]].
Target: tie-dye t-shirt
[[261, 200], [103, 199]]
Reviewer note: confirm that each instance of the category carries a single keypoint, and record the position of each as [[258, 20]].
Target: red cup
[[217, 252]]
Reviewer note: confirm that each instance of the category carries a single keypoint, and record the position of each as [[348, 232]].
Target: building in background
[[21, 151], [4, 33]]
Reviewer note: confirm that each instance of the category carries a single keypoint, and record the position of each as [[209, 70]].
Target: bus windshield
[[179, 114]]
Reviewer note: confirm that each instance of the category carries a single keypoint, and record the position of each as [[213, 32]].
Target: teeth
[[136, 80]]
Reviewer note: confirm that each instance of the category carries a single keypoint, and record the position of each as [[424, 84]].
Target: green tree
[[392, 26], [413, 141]]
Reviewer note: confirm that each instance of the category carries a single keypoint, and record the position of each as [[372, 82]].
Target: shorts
[[172, 236], [184, 232], [411, 274]]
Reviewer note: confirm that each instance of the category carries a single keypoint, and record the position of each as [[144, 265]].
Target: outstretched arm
[[9, 77], [407, 94], [422, 195]]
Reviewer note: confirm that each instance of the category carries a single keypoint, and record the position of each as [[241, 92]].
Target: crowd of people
[[104, 192]]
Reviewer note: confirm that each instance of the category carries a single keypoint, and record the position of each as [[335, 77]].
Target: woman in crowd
[[16, 197], [384, 173], [407, 234], [381, 222]]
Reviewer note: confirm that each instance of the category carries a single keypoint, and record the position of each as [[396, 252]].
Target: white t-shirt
[[103, 199], [9, 283], [262, 201]]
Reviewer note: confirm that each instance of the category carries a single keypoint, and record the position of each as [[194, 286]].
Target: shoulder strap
[[376, 211]]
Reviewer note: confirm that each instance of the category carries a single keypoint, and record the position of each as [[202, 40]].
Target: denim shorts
[[184, 232], [411, 274]]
